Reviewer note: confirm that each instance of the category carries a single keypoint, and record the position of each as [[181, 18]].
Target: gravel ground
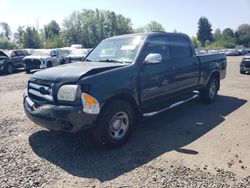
[[193, 145]]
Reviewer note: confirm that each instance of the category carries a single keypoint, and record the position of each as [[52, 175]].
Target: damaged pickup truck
[[11, 60], [124, 78]]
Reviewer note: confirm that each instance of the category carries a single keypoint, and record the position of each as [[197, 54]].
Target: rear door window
[[179, 47]]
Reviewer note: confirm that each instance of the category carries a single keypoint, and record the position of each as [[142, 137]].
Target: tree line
[[89, 27], [86, 27], [227, 38]]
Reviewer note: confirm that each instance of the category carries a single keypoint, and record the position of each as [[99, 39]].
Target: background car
[[42, 58], [245, 65], [79, 54], [11, 60]]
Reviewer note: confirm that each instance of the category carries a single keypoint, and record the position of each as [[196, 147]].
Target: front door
[[156, 80]]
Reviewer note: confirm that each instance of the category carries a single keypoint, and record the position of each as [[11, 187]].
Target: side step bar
[[172, 106]]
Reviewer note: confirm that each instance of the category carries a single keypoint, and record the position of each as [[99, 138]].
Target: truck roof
[[150, 34]]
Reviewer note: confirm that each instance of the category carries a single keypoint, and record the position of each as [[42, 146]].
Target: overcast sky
[[181, 15]]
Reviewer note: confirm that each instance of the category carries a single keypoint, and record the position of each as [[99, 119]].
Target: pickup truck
[[123, 79], [11, 60], [42, 58]]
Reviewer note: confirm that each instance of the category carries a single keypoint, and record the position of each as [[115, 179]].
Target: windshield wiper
[[87, 60], [113, 61], [109, 60]]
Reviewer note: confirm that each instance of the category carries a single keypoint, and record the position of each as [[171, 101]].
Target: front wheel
[[9, 69], [242, 72], [114, 125], [208, 94]]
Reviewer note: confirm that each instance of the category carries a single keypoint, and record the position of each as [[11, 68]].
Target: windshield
[[41, 52], [120, 49]]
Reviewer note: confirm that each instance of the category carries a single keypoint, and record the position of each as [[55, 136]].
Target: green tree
[[243, 35], [18, 35], [217, 34], [6, 44], [227, 39], [150, 27], [51, 30], [204, 31], [89, 27], [228, 32], [6, 32], [195, 42], [31, 38]]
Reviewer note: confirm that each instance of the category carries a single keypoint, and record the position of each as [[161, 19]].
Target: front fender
[[112, 83]]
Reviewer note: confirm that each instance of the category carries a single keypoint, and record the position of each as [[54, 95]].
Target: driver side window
[[158, 45]]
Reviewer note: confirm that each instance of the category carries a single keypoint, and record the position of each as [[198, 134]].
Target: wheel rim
[[119, 125], [212, 90], [10, 69]]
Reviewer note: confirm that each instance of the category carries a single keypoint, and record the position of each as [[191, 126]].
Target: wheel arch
[[127, 98], [215, 74]]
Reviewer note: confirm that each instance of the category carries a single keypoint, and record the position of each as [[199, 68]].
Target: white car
[[42, 58]]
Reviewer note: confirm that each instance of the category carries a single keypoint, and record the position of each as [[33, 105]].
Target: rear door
[[185, 63], [156, 80]]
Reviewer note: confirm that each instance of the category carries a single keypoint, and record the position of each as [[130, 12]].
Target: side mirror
[[153, 58]]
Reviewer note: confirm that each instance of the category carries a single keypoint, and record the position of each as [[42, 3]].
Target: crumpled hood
[[72, 72], [3, 55], [36, 57]]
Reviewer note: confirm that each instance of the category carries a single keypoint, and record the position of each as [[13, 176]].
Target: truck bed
[[210, 57]]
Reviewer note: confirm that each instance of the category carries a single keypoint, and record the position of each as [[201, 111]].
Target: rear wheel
[[208, 94], [114, 125], [27, 71], [9, 69]]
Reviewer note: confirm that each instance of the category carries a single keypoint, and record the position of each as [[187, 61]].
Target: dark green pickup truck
[[124, 78]]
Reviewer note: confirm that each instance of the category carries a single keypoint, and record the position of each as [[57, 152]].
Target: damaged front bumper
[[57, 117]]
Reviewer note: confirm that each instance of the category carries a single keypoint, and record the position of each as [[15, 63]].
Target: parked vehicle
[[76, 46], [64, 53], [122, 79], [42, 58], [233, 52], [11, 60], [78, 54], [243, 51], [245, 65]]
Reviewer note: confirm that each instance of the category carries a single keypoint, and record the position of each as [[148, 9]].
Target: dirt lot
[[193, 145]]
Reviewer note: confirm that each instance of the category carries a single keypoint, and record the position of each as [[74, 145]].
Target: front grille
[[32, 63], [246, 63], [40, 90]]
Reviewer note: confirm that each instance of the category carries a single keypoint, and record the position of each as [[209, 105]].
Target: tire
[[27, 71], [114, 124], [208, 94], [49, 64], [9, 69]]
